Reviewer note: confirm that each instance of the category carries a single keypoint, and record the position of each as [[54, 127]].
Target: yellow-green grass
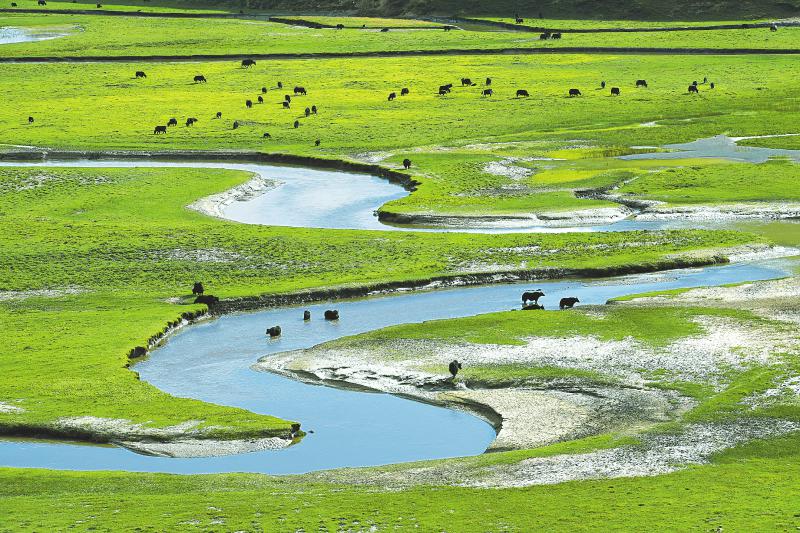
[[91, 258], [750, 488], [172, 6], [590, 24], [449, 139], [729, 183], [108, 36], [368, 22]]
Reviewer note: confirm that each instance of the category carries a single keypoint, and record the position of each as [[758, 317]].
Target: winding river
[[211, 361]]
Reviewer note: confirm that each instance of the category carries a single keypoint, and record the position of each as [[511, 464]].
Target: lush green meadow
[[95, 261], [109, 36], [551, 144]]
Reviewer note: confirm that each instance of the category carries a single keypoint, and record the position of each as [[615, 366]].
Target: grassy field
[[95, 261], [109, 36], [718, 184], [75, 261], [495, 161]]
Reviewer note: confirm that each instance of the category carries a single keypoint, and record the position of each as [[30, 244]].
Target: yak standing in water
[[274, 331], [454, 367], [331, 314], [568, 303], [532, 296]]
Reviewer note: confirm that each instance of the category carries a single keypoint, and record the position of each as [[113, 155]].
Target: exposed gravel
[[7, 408], [215, 204], [204, 447]]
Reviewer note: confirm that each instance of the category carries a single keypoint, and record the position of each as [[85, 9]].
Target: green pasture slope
[[95, 261]]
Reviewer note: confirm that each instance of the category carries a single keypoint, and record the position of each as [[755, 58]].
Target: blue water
[[211, 362]]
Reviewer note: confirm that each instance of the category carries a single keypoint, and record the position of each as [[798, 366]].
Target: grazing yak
[[443, 92], [263, 90], [615, 91], [247, 63], [42, 3], [140, 74], [340, 26], [384, 30], [574, 92], [266, 136], [296, 124], [773, 27], [260, 99], [693, 89], [454, 367], [447, 28], [317, 142], [198, 288], [406, 163], [603, 84], [641, 83], [13, 4], [280, 85], [519, 20], [711, 86], [404, 91], [522, 92], [299, 90], [286, 105], [219, 114], [190, 121], [488, 81], [274, 331], [544, 36], [206, 299], [30, 120], [308, 112], [159, 129], [331, 314], [172, 122], [556, 36], [287, 98], [200, 79], [313, 110], [466, 82], [248, 104], [235, 124], [99, 6], [487, 92], [392, 96], [531, 296], [568, 303], [444, 89], [306, 315]]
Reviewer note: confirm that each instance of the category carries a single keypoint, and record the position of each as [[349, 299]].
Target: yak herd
[[446, 89], [248, 103], [487, 91]]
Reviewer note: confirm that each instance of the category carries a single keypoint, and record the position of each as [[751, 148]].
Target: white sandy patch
[[508, 168], [39, 293], [760, 210], [207, 255], [658, 454], [7, 408], [372, 157], [215, 204], [205, 447]]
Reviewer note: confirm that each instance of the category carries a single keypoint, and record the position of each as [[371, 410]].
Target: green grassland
[[108, 36], [719, 184], [86, 251], [450, 139], [752, 488], [589, 24]]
